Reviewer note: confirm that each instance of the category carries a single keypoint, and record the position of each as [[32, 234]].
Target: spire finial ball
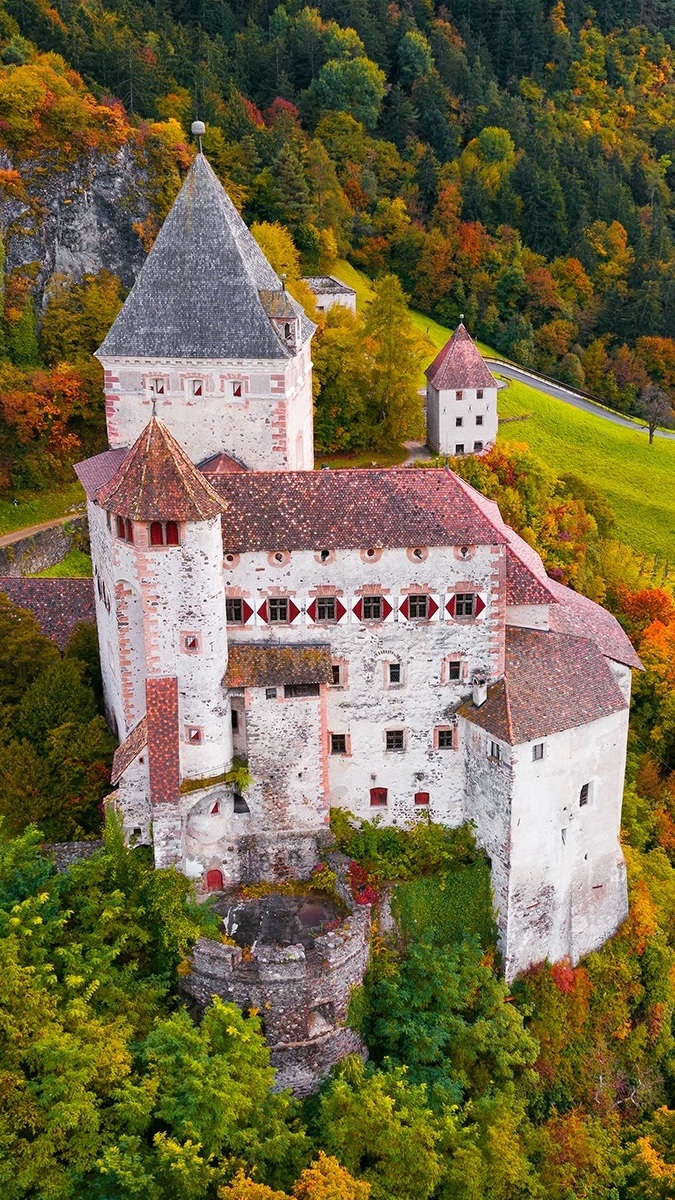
[[461, 316], [198, 128]]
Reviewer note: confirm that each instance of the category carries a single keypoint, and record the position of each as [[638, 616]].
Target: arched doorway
[[214, 881]]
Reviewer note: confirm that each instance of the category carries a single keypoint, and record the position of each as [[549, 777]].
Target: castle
[[374, 639]]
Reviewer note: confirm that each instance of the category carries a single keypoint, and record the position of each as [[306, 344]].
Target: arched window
[[130, 531], [164, 533], [171, 533], [121, 529], [214, 881], [156, 534]]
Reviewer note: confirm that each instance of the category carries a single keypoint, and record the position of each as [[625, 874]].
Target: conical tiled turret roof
[[158, 482], [198, 292], [459, 365]]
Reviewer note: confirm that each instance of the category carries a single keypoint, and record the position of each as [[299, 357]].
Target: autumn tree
[[394, 354], [655, 407]]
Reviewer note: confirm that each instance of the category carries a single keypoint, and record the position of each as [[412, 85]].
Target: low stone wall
[[65, 854], [43, 549]]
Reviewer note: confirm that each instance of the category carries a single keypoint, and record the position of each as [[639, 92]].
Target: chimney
[[479, 685]]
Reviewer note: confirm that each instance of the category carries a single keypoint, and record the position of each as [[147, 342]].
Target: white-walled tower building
[[461, 399]]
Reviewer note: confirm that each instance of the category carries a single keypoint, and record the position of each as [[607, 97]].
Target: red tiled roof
[[222, 464], [459, 365], [576, 614], [310, 510], [158, 482], [94, 472], [552, 682], [129, 750], [161, 696], [255, 665], [58, 605]]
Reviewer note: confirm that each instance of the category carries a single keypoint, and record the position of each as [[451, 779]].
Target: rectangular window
[[196, 387], [378, 797], [584, 794], [479, 394], [464, 604], [237, 389], [538, 752], [418, 606], [277, 611], [156, 387], [495, 751], [270, 693], [394, 739], [325, 608], [394, 672], [301, 689], [459, 448], [479, 420], [338, 743], [459, 395], [459, 421], [454, 670], [235, 720], [421, 797], [446, 739], [372, 608], [193, 734], [234, 612], [478, 446], [336, 670]]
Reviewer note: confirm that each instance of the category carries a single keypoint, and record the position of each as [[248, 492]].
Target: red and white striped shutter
[[357, 610], [388, 614], [404, 608], [262, 618], [294, 613], [480, 605], [450, 605], [433, 611], [340, 611], [246, 613], [310, 613]]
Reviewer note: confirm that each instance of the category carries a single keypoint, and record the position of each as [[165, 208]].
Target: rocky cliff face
[[75, 218]]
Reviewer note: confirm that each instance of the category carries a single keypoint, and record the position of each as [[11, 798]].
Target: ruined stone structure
[[378, 640]]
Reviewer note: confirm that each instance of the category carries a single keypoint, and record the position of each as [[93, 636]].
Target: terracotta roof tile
[[161, 697], [58, 605], [459, 365], [129, 750], [523, 585], [94, 472], [255, 665], [310, 510], [552, 682], [576, 614], [221, 464], [158, 482]]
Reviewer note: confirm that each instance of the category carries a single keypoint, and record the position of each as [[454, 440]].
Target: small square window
[[421, 797], [538, 752], [459, 421], [464, 604], [584, 795], [372, 608], [479, 420], [418, 606], [193, 734], [459, 395], [479, 394], [394, 739], [270, 693], [156, 387], [454, 670], [459, 448], [277, 611], [336, 670], [191, 642], [237, 389], [234, 612], [235, 720], [446, 739], [196, 387], [394, 672], [478, 446], [495, 751], [338, 743], [325, 608], [378, 797]]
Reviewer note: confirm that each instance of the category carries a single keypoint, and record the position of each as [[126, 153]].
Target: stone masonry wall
[[43, 549]]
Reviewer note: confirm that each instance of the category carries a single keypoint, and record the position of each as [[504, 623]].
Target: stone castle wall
[[43, 549]]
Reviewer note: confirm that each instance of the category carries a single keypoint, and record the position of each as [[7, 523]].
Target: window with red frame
[[125, 530], [378, 797], [421, 797], [164, 533]]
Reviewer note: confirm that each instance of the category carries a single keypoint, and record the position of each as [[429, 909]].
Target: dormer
[[283, 315]]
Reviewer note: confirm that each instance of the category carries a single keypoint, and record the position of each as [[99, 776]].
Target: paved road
[[18, 534], [559, 392]]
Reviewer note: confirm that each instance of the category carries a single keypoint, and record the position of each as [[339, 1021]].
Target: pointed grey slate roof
[[197, 294]]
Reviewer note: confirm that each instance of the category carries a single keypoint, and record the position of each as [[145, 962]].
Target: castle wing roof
[[309, 510], [58, 605], [459, 365], [198, 293], [158, 482], [253, 665], [130, 749], [576, 614], [552, 682]]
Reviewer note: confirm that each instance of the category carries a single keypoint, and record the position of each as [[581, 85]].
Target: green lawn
[[636, 478], [77, 564], [35, 507]]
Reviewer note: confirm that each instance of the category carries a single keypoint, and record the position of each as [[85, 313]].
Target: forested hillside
[[508, 159]]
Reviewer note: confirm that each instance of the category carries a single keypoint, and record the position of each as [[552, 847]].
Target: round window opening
[[325, 554], [370, 553], [418, 552], [464, 551], [278, 557]]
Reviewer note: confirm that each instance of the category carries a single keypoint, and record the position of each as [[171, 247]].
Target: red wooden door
[[214, 881]]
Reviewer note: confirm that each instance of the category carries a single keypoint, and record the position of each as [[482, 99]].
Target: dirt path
[[17, 535]]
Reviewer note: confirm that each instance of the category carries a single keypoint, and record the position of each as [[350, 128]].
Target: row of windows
[[460, 395], [329, 609], [460, 447], [379, 797], [459, 421], [452, 673], [194, 387], [445, 738], [160, 533]]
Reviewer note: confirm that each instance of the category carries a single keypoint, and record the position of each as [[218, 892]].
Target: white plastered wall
[[443, 409]]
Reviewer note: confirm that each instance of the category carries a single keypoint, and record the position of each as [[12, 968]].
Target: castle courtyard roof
[[459, 365], [157, 481], [255, 665], [309, 510], [58, 605], [576, 614], [197, 295], [552, 682]]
